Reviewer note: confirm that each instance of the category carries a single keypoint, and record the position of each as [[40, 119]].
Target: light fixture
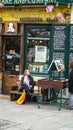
[[40, 41], [57, 3], [68, 5]]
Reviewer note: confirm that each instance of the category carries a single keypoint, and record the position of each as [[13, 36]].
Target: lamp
[[57, 3], [68, 5]]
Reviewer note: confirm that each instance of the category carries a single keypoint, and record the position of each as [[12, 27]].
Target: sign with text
[[40, 53], [10, 2], [22, 2]]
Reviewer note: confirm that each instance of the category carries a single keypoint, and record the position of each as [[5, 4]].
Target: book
[[56, 65]]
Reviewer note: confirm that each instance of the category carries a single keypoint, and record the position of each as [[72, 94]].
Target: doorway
[[11, 49], [11, 62]]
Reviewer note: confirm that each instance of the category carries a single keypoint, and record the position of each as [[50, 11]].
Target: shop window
[[12, 55], [38, 42]]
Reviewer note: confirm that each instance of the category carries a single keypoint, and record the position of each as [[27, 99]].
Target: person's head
[[27, 72], [71, 65]]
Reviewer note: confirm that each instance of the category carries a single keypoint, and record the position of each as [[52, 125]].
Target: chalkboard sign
[[71, 37], [59, 46], [62, 45], [58, 75], [71, 57], [59, 37], [58, 55]]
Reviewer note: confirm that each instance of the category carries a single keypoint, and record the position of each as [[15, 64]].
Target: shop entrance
[[11, 62]]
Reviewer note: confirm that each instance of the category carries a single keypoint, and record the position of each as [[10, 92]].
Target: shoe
[[31, 95]]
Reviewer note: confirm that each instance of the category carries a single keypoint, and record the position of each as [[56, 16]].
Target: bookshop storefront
[[31, 37]]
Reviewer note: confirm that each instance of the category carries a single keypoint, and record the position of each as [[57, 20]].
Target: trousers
[[26, 88]]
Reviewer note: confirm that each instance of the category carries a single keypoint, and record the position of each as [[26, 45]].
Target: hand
[[30, 86]]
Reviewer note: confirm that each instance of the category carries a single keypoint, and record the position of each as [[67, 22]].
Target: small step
[[4, 96]]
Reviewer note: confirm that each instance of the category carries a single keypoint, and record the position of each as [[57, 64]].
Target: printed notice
[[40, 53]]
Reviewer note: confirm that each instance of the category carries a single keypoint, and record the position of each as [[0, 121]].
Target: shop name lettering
[[25, 1]]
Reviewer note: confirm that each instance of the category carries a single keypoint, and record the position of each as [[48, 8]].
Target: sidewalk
[[29, 117]]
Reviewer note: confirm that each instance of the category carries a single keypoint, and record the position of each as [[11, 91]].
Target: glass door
[[12, 55], [38, 43]]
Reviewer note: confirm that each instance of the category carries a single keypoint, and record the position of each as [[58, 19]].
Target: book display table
[[56, 87]]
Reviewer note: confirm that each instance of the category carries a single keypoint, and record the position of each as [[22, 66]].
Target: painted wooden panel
[[28, 13], [11, 28]]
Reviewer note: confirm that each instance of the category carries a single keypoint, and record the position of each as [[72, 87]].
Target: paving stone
[[29, 117]]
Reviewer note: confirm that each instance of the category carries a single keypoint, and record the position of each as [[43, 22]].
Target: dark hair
[[71, 64]]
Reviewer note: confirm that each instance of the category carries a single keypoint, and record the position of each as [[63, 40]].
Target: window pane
[[38, 41], [12, 54]]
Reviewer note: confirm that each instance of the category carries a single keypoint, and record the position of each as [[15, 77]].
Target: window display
[[38, 42]]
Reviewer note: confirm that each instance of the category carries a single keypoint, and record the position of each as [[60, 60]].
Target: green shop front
[[41, 33]]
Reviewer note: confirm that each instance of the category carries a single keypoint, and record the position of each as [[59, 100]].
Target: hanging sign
[[11, 28]]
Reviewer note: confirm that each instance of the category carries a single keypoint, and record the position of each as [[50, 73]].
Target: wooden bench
[[14, 93]]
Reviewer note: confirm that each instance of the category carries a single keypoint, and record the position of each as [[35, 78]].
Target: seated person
[[27, 83]]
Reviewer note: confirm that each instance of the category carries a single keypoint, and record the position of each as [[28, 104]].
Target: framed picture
[[11, 28]]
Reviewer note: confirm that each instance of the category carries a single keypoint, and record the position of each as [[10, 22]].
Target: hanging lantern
[[1, 5], [49, 8]]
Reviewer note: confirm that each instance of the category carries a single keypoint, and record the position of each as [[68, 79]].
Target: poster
[[40, 53]]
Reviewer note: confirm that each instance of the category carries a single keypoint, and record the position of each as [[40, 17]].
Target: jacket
[[31, 81]]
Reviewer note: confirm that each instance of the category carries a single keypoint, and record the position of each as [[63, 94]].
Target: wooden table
[[57, 85]]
